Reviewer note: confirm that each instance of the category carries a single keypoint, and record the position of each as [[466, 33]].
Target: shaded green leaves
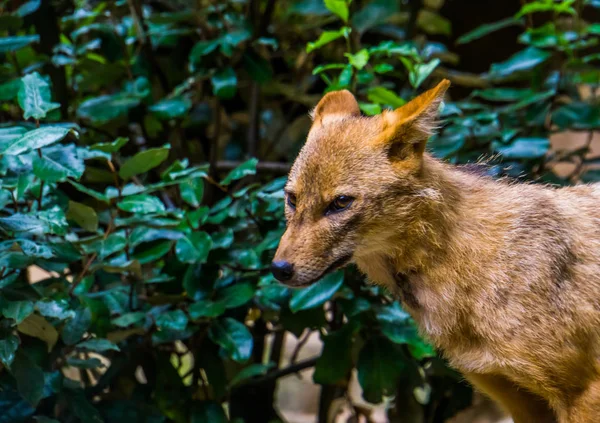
[[335, 363], [318, 293], [379, 366], [30, 378], [233, 337], [205, 412]]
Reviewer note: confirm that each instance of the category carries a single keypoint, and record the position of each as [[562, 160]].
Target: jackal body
[[503, 278]]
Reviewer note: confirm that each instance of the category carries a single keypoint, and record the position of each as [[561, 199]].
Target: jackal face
[[355, 183]]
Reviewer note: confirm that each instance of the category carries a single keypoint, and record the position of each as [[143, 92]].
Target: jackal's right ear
[[334, 106]]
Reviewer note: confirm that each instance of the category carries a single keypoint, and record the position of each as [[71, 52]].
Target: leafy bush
[[158, 304]]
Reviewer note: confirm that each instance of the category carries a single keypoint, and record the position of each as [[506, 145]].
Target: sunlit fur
[[503, 278]]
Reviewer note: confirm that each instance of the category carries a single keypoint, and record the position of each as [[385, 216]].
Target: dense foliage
[[129, 132]]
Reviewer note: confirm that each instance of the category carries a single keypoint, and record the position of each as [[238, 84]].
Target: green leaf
[[98, 345], [171, 108], [318, 293], [192, 191], [483, 30], [206, 308], [233, 337], [35, 139], [421, 71], [382, 95], [110, 147], [9, 90], [94, 194], [83, 215], [90, 363], [143, 161], [374, 13], [245, 169], [335, 363], [338, 7], [172, 320], [17, 310], [203, 48], [253, 370], [224, 83], [105, 108], [35, 97], [129, 319], [38, 327], [358, 60], [141, 204], [524, 60], [58, 309], [206, 412], [563, 6], [380, 365], [433, 23], [524, 148], [193, 248], [74, 329], [326, 37], [28, 7], [22, 223], [29, 377], [58, 165], [8, 348], [8, 44], [236, 295]]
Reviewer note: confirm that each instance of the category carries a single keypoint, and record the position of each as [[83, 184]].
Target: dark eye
[[291, 200], [339, 204]]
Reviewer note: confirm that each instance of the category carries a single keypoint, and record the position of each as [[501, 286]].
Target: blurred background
[[143, 150]]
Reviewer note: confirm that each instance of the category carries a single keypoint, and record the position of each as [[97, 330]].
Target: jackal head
[[356, 182]]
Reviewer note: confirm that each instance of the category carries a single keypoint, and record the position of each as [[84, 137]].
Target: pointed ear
[[407, 128], [335, 105]]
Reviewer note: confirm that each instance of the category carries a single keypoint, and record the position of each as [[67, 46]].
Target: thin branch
[[274, 375]]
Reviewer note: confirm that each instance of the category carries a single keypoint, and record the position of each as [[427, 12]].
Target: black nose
[[282, 270]]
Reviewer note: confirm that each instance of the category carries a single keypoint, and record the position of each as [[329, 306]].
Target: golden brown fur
[[503, 278]]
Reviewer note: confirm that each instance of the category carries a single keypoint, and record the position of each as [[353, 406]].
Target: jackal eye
[[339, 204], [291, 200]]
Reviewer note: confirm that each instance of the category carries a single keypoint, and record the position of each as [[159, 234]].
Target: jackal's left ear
[[408, 127], [335, 105]]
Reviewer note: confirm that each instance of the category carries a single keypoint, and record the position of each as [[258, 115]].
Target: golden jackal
[[503, 278]]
